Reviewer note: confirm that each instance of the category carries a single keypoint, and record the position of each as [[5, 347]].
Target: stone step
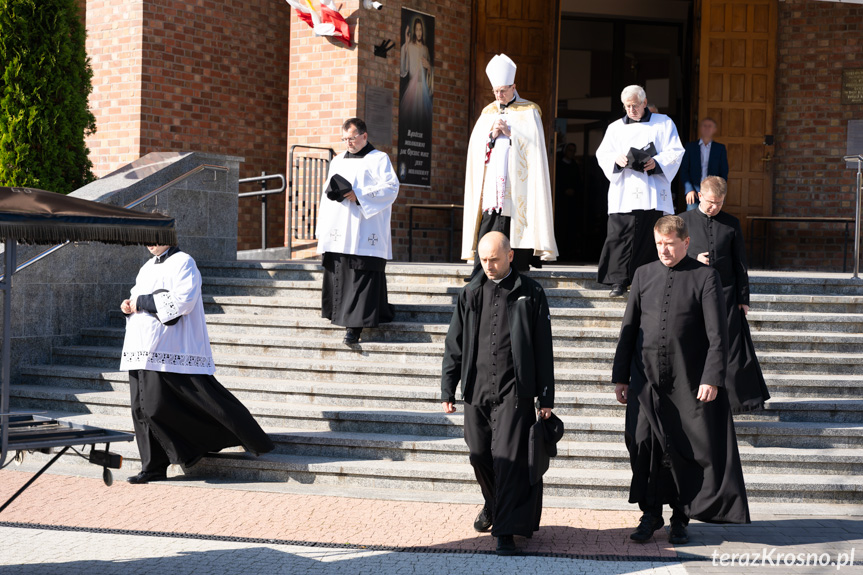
[[599, 402], [576, 381], [596, 456], [584, 277], [242, 356], [290, 293], [268, 331], [561, 482], [432, 423]]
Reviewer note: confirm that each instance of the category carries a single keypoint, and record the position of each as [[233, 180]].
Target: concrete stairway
[[369, 416]]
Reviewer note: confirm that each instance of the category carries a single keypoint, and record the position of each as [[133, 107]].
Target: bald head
[[495, 254]]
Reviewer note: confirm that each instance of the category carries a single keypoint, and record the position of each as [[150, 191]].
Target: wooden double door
[[735, 43]]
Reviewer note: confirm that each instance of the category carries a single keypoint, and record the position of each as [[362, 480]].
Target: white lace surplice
[[180, 348]]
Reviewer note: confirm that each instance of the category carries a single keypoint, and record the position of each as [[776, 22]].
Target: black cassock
[[628, 245], [682, 451], [722, 238], [179, 417], [354, 291]]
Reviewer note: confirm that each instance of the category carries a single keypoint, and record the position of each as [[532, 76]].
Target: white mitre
[[501, 71]]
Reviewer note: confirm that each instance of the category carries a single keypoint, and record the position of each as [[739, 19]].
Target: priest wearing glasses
[[354, 234]]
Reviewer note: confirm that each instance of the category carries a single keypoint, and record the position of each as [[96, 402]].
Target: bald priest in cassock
[[499, 346], [669, 370], [640, 155], [716, 240], [180, 412], [354, 234], [507, 185]]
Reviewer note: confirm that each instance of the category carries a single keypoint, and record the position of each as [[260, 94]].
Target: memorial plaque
[[379, 115], [852, 86]]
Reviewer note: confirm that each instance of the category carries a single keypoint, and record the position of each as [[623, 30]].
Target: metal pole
[[857, 208], [6, 357], [263, 213]]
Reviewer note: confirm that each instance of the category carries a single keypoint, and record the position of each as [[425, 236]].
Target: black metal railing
[[306, 178], [263, 193]]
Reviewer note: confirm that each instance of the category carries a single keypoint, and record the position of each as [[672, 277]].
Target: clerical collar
[[160, 259], [509, 273], [644, 118], [511, 102], [362, 153]]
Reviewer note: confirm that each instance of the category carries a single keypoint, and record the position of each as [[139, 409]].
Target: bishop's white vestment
[[527, 202]]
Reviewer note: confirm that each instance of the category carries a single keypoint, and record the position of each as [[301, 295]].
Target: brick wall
[[817, 40], [114, 46], [200, 75], [320, 101]]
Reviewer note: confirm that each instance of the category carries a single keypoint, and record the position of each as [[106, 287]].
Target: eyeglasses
[[352, 138], [503, 90], [633, 106]]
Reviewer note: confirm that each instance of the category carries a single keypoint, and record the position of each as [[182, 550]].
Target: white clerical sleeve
[[183, 295], [671, 151], [380, 194], [607, 153]]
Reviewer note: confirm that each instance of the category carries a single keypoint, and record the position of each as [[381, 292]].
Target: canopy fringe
[[55, 233]]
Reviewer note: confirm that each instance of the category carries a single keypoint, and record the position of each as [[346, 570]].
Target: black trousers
[[494, 222], [629, 244], [497, 437]]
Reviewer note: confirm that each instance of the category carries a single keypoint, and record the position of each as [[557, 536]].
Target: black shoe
[[645, 529], [536, 262], [506, 545], [147, 477], [352, 335], [617, 290], [679, 534], [483, 521]]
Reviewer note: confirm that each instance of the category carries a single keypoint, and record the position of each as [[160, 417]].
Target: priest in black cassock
[[499, 346], [669, 370], [180, 412], [354, 235], [716, 239]]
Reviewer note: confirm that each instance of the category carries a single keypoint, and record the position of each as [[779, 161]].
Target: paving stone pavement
[[67, 525]]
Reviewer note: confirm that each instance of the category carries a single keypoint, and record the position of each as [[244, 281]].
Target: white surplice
[[364, 229], [631, 190], [183, 347]]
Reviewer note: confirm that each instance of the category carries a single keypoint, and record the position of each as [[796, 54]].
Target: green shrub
[[45, 80]]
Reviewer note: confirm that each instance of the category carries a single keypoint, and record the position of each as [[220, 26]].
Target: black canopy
[[34, 216]]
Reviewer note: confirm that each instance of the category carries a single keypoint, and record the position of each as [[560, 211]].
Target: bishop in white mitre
[[640, 155], [354, 237], [507, 185]]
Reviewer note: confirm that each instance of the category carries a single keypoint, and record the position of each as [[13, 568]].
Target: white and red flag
[[325, 21]]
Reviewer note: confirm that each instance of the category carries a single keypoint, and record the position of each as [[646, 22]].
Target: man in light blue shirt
[[702, 159]]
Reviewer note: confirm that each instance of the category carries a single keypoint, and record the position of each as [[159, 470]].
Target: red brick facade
[[325, 90], [201, 75], [817, 40]]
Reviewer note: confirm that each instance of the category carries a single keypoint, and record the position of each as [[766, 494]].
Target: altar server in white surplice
[[507, 186], [354, 235], [640, 155], [180, 412]]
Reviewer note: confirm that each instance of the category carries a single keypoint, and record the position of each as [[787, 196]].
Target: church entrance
[[695, 58], [600, 54]]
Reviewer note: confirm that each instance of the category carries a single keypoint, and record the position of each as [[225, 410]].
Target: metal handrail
[[289, 224], [263, 193], [857, 216], [133, 204]]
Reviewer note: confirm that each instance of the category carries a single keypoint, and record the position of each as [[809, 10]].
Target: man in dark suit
[[702, 158]]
